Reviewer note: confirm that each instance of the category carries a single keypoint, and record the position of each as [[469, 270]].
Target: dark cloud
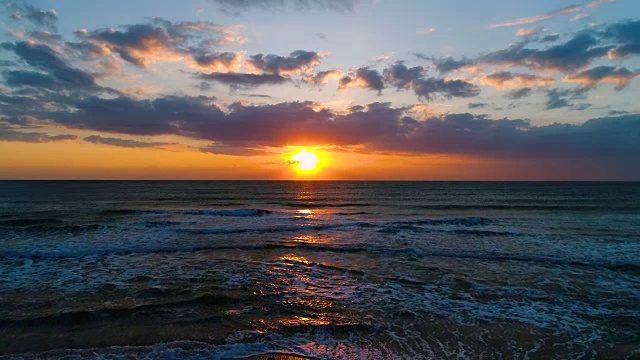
[[550, 38], [222, 149], [36, 16], [431, 88], [235, 6], [506, 78], [204, 86], [96, 139], [220, 61], [44, 58], [448, 64], [163, 40], [165, 115], [363, 77], [617, 112], [303, 123], [374, 127], [19, 78], [188, 35], [356, 108], [627, 36], [297, 61], [576, 53], [241, 80], [88, 50], [20, 121], [323, 77], [31, 103], [556, 98], [401, 76], [580, 107], [136, 42], [616, 41], [519, 93], [34, 137], [499, 78], [559, 98], [40, 36], [468, 134], [477, 105], [618, 75]]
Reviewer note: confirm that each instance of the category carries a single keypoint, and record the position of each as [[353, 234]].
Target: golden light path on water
[[304, 290]]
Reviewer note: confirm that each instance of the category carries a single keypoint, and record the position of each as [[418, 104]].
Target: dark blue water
[[332, 270]]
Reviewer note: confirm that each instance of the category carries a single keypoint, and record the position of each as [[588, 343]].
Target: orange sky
[[79, 160]]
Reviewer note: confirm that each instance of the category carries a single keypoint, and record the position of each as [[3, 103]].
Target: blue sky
[[541, 62], [371, 30]]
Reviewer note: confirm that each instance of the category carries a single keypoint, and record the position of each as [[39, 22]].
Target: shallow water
[[332, 270]]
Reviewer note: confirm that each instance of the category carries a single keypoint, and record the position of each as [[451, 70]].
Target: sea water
[[330, 270]]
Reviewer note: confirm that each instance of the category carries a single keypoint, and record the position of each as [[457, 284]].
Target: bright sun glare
[[305, 160]]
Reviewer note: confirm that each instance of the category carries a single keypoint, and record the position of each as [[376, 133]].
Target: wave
[[533, 207], [310, 204], [22, 223], [483, 233], [464, 221], [126, 212], [180, 349], [57, 225], [628, 268], [160, 223], [232, 213], [55, 228], [76, 317], [353, 213], [469, 232], [228, 204], [354, 248], [275, 229], [37, 254], [418, 225], [390, 227]]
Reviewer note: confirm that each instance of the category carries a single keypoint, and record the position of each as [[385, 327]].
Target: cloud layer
[[376, 127], [236, 6], [162, 40], [564, 11]]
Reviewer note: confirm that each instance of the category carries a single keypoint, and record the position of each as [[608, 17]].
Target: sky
[[375, 89]]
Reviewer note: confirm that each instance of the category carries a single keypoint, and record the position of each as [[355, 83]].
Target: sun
[[305, 160]]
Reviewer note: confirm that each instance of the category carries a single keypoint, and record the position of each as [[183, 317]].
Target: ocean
[[326, 270]]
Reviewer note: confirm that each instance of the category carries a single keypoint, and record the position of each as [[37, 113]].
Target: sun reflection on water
[[300, 259], [311, 239], [301, 320], [302, 292], [304, 214]]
